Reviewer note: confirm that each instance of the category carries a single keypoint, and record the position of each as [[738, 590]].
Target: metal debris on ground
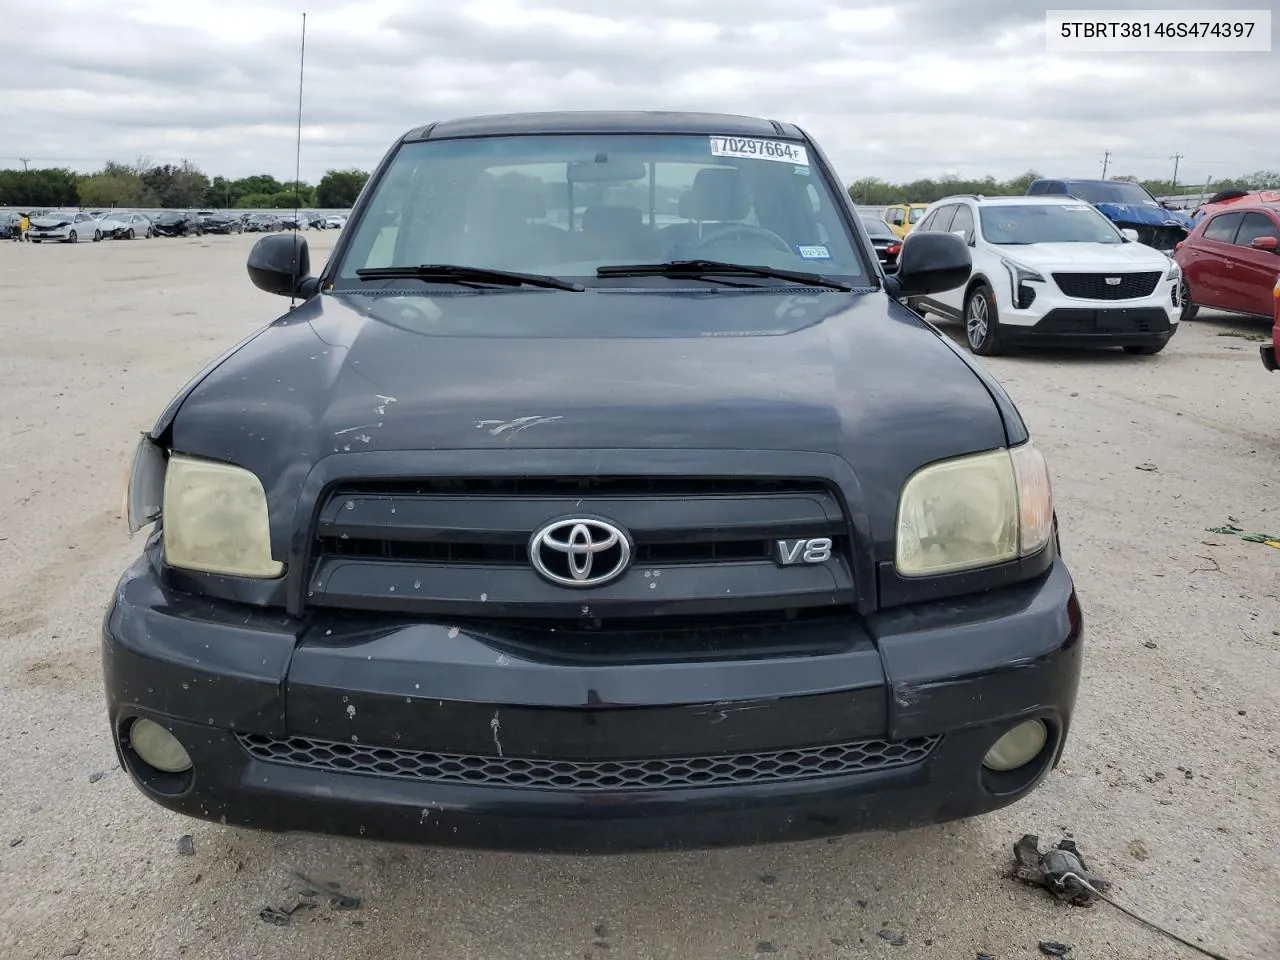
[[893, 939], [1061, 870], [1149, 467], [1063, 873]]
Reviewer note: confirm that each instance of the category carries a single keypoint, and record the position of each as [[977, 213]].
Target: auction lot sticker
[[781, 150]]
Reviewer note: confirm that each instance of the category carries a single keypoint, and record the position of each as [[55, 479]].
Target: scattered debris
[[337, 899], [1063, 873], [186, 846], [1061, 870], [72, 951], [1149, 467], [96, 776], [768, 879], [1231, 530], [282, 917], [764, 946], [1149, 644], [894, 939], [17, 840], [1138, 850]]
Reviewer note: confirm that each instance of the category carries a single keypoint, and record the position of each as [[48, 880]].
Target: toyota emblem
[[580, 552]]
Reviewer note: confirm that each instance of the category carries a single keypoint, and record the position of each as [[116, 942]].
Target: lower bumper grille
[[804, 763]]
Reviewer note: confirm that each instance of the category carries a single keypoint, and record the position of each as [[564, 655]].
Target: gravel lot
[[1171, 782]]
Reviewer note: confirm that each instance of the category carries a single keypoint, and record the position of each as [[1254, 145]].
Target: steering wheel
[[748, 231]]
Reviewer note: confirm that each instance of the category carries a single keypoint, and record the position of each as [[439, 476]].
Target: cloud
[[891, 89]]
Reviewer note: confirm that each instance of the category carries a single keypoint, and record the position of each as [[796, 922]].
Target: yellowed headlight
[[215, 519], [974, 511]]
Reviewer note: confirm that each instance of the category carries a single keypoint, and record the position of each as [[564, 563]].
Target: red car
[[1231, 260]]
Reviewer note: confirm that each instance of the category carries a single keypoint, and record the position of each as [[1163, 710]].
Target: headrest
[[611, 219], [719, 193]]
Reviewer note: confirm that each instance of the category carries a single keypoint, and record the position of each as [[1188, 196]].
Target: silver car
[[68, 226], [120, 225]]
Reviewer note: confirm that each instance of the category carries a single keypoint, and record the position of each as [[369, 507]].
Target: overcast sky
[[897, 90]]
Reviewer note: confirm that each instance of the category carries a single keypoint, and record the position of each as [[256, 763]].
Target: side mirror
[[1265, 243], [930, 263], [1130, 234], [280, 263]]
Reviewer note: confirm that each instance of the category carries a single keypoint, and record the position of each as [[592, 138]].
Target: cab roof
[[604, 121]]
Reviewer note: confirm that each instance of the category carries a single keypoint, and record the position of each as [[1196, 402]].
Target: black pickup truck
[[554, 519]]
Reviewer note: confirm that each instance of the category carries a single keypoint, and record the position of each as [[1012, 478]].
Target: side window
[[1253, 226], [894, 216], [1223, 228], [1037, 188], [963, 221], [942, 219], [926, 225]]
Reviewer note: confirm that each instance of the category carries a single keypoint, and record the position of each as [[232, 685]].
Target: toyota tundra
[[599, 493]]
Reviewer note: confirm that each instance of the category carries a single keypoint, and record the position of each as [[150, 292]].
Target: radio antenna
[[297, 163]]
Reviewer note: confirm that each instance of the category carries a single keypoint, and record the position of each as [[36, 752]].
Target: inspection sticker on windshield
[[813, 251], [779, 150]]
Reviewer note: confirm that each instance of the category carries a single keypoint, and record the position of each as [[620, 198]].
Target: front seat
[[719, 196]]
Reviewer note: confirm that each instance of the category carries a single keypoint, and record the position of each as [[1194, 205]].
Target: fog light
[[160, 748], [1018, 747]]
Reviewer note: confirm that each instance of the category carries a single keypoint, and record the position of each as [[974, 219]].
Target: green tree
[[180, 186], [43, 187], [113, 186], [338, 189]]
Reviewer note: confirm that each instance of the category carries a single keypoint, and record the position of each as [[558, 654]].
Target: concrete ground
[[1171, 781]]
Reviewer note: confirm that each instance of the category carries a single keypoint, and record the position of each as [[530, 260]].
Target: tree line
[[184, 186], [874, 192], [173, 186]]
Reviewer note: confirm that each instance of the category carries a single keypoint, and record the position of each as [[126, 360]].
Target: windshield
[[1047, 223], [567, 205], [1111, 191]]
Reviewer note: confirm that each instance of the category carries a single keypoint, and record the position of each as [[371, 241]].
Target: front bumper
[[443, 734], [1103, 326]]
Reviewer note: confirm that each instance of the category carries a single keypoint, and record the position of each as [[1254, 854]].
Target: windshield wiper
[[701, 268], [456, 273]]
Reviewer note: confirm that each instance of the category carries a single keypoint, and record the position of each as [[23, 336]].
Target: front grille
[[1095, 286], [666, 773], [462, 546]]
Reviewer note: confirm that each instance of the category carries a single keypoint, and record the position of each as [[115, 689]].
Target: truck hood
[[1086, 256], [850, 374]]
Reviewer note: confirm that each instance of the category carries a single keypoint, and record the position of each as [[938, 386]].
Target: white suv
[[1053, 270]]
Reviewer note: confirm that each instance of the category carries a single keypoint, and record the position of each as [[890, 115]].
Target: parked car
[[67, 226], [886, 243], [1128, 205], [222, 223], [10, 225], [335, 221], [1053, 270], [902, 217], [262, 223], [786, 568], [293, 221], [1226, 198], [1231, 260], [177, 224], [1268, 350], [122, 225]]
